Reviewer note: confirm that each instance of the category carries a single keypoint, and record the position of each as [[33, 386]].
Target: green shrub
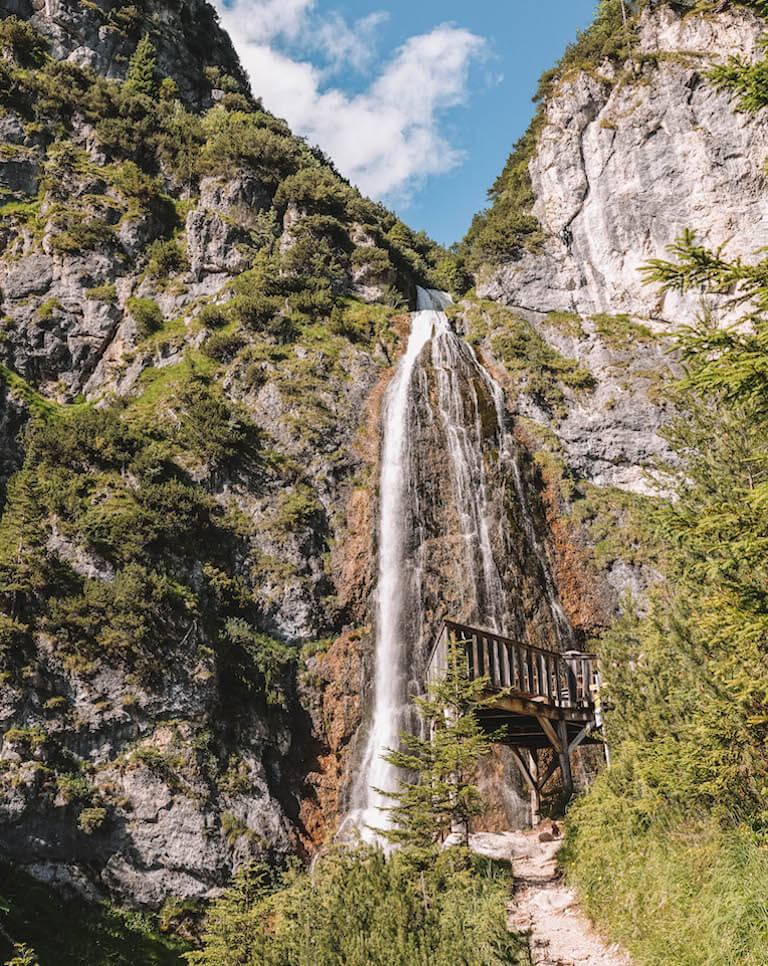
[[74, 788], [213, 317], [316, 191], [147, 315], [361, 907], [620, 331], [257, 663], [238, 141], [164, 258], [223, 346], [374, 258], [255, 312], [134, 183], [91, 820], [216, 430], [78, 233], [297, 509], [21, 39], [48, 310]]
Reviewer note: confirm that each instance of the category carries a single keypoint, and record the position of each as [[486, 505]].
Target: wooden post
[[533, 765], [565, 759], [530, 770]]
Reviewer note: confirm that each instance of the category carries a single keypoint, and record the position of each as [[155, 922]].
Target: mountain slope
[[195, 311]]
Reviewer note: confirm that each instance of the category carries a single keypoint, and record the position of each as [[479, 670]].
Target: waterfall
[[377, 776], [456, 412]]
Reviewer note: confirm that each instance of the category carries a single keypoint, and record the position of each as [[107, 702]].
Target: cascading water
[[455, 413], [395, 569]]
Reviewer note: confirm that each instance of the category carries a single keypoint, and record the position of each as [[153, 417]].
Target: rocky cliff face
[[191, 47], [626, 159]]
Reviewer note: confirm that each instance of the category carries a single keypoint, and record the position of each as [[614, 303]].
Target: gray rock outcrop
[[624, 164]]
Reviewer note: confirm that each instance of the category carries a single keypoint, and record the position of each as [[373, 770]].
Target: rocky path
[[544, 908]]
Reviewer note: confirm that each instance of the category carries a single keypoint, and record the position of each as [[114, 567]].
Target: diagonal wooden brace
[[549, 731]]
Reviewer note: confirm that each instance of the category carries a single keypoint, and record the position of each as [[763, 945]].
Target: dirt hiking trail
[[543, 908]]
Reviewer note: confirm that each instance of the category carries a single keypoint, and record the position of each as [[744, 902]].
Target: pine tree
[[441, 796], [141, 70]]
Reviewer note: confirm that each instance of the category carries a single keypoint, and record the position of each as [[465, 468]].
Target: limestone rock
[[185, 33], [620, 170]]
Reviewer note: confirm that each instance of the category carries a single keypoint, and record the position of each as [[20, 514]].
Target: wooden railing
[[562, 680]]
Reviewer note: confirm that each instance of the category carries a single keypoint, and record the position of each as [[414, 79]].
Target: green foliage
[[22, 41], [147, 315], [114, 490], [77, 233], [91, 819], [164, 258], [215, 430], [72, 932], [532, 365], [683, 813], [362, 907], [440, 796], [223, 346], [569, 323], [259, 662], [140, 78], [48, 310], [315, 190], [213, 317], [37, 404], [255, 142], [683, 892], [746, 82], [620, 331], [297, 509], [103, 293]]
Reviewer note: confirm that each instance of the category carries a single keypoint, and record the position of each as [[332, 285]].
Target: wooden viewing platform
[[546, 699]]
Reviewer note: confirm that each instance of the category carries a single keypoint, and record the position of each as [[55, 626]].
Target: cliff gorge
[[199, 320]]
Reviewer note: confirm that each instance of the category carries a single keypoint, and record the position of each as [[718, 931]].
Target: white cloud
[[260, 21], [386, 139]]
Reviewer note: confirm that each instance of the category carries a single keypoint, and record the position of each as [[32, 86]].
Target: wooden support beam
[[565, 759], [551, 771], [578, 739], [533, 764], [523, 766], [550, 732], [530, 770]]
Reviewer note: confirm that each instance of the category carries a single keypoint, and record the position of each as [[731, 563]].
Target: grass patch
[[568, 323], [622, 332], [678, 892], [21, 390]]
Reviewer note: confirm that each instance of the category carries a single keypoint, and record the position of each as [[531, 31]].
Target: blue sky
[[419, 103]]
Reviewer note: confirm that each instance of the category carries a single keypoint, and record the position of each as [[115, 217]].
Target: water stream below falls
[[436, 394]]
